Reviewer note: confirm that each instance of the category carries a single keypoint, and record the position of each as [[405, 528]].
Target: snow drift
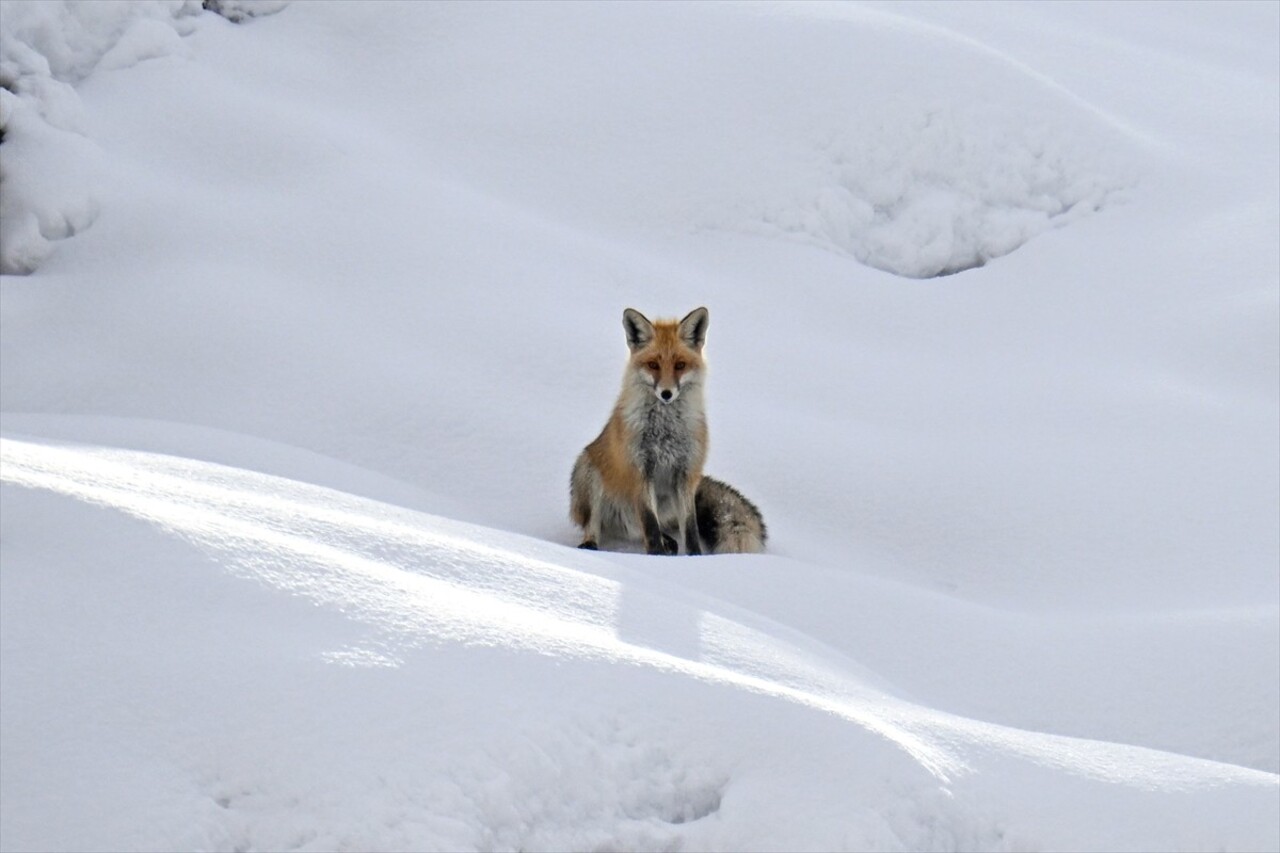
[[418, 683]]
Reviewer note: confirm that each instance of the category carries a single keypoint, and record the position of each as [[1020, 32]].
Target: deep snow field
[[309, 315]]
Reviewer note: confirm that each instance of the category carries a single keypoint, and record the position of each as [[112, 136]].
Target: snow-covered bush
[[237, 10], [48, 161]]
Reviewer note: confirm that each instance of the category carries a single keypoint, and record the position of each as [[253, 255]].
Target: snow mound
[[276, 665], [943, 191], [907, 147]]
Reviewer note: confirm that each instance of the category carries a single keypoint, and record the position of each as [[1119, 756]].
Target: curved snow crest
[[419, 583]]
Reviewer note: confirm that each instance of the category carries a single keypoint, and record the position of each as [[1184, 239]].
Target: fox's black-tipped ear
[[693, 328], [638, 328]]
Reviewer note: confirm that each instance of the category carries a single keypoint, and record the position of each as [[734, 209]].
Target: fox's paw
[[664, 546], [589, 546]]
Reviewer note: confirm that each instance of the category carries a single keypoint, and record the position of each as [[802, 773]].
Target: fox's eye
[[653, 365], [680, 365]]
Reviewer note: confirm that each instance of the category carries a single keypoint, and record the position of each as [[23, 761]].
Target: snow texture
[[50, 164], [285, 561]]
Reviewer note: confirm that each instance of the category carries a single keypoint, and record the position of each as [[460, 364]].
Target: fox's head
[[666, 356]]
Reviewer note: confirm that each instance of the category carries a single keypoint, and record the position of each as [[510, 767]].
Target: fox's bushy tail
[[728, 522]]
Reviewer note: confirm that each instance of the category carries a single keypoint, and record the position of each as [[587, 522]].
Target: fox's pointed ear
[[638, 328], [693, 328]]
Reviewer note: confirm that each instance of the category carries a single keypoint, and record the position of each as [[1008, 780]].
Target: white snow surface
[[285, 436], [49, 166]]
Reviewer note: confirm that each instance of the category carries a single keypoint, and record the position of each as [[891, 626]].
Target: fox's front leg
[[689, 527], [655, 541]]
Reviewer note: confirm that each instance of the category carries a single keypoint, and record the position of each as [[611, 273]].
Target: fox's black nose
[[666, 394]]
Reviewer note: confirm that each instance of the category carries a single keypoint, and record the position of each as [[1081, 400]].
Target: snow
[[284, 554], [50, 172]]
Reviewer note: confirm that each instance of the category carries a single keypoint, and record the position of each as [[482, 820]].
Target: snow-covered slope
[[287, 430], [239, 661]]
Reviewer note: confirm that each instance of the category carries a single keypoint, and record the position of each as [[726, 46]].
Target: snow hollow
[[308, 308]]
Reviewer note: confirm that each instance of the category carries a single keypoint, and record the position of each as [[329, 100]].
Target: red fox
[[642, 476]]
